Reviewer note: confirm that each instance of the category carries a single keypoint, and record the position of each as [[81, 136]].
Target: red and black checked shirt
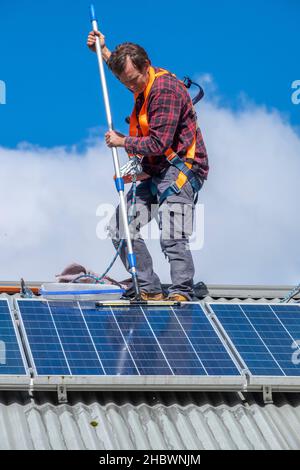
[[172, 120]]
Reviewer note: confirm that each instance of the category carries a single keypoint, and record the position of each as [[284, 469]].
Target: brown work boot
[[151, 296], [178, 298]]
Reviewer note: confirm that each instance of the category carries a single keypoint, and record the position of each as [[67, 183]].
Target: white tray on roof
[[80, 291]]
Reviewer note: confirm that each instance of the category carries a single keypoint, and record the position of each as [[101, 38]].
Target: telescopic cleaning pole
[[119, 180]]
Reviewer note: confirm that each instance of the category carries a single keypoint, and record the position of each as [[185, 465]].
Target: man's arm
[[163, 116], [91, 43]]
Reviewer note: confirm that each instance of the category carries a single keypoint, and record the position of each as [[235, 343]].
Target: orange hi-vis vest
[[139, 127]]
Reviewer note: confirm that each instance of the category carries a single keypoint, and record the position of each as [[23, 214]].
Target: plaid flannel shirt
[[172, 123]]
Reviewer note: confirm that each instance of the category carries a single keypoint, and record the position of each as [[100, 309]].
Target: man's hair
[[118, 58]]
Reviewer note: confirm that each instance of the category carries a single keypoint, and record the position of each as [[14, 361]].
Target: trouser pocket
[[176, 220]]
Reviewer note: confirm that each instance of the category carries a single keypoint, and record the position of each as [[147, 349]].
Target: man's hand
[[115, 139], [91, 41]]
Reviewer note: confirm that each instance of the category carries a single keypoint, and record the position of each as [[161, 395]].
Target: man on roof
[[165, 138]]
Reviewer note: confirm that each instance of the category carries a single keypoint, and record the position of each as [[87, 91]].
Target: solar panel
[[177, 349], [58, 339], [265, 336], [210, 350], [141, 342], [78, 338], [109, 341], [12, 361], [189, 342]]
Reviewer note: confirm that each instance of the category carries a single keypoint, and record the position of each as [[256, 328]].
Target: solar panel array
[[11, 360], [267, 337], [76, 338]]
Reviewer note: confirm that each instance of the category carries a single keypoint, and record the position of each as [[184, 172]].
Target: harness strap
[[194, 180], [189, 175]]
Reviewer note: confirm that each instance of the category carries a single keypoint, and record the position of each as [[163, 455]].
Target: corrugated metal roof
[[144, 421], [166, 421]]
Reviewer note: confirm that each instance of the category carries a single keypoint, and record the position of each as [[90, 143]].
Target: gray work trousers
[[175, 220]]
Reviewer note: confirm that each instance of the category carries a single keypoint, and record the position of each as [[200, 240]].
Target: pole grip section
[[131, 260], [119, 182], [93, 13]]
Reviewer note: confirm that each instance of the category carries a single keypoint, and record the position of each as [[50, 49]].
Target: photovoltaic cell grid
[[11, 361], [267, 337], [70, 338], [201, 338]]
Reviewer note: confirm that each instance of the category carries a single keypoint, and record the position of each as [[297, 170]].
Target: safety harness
[[139, 127]]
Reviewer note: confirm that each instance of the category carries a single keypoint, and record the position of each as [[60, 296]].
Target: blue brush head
[[93, 12]]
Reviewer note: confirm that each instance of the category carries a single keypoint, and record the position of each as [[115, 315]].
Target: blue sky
[[57, 185], [53, 94]]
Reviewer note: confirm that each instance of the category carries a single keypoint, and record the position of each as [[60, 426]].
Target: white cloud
[[50, 197], [49, 201], [251, 198]]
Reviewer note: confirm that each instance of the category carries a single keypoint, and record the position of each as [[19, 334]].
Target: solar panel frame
[[143, 382], [256, 382], [18, 381]]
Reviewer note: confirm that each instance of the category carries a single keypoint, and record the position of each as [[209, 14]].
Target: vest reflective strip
[[139, 127], [143, 129]]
